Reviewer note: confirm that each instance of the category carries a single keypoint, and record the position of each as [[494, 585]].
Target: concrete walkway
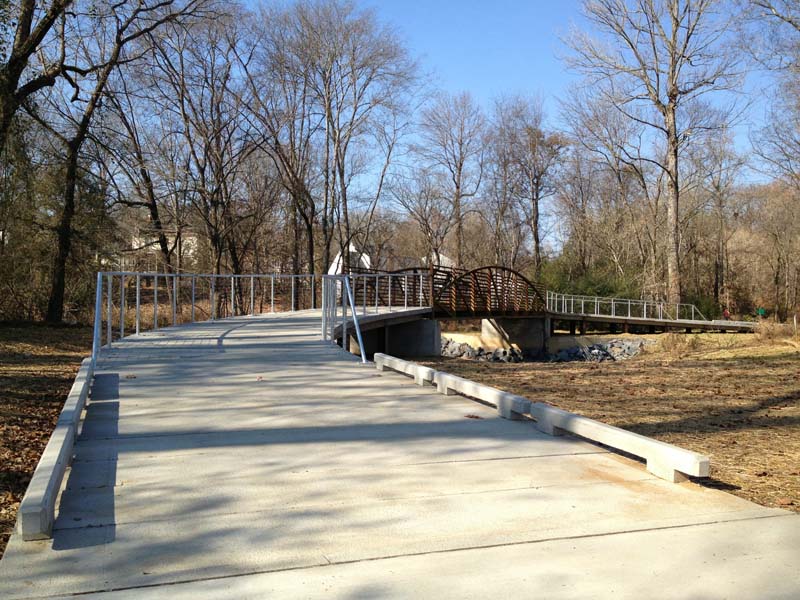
[[247, 459]]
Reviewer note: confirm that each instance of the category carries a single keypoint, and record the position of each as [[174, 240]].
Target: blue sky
[[511, 46], [487, 48]]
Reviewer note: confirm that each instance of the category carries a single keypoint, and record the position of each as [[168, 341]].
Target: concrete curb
[[663, 460], [420, 374], [509, 406], [36, 513]]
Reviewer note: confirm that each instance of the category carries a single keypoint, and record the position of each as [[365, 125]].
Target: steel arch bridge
[[497, 291]]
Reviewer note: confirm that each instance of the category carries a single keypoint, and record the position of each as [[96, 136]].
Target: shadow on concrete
[[104, 402]]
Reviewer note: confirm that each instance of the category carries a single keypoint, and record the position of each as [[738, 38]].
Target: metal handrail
[[332, 287], [598, 306], [203, 292]]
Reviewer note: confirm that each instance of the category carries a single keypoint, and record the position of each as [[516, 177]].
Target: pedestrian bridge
[[248, 457], [500, 292]]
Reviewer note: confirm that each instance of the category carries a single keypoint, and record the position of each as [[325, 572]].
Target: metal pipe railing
[[337, 291], [204, 296], [599, 306]]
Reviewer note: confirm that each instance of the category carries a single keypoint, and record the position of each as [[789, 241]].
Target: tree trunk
[[55, 305], [459, 229], [537, 242], [310, 245], [8, 106], [673, 201]]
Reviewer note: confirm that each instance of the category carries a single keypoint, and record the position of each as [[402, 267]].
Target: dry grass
[[733, 397], [37, 367]]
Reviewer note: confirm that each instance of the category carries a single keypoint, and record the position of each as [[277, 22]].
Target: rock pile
[[453, 349], [603, 351]]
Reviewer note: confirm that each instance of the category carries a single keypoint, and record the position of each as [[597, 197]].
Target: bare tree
[[535, 154], [196, 71], [452, 130], [360, 73], [661, 54], [34, 26], [501, 210], [425, 199], [106, 40]]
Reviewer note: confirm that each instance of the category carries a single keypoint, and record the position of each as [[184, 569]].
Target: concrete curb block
[[36, 513], [420, 374], [509, 406], [663, 460]]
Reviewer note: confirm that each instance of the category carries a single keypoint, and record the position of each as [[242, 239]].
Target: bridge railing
[[374, 291], [337, 293], [129, 302], [597, 306]]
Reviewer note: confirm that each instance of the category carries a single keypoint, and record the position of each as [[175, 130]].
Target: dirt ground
[[735, 398], [37, 367]]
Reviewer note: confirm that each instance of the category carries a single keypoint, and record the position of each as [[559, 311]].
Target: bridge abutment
[[422, 337], [529, 334]]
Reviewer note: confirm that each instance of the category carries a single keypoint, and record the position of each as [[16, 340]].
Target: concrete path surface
[[247, 459]]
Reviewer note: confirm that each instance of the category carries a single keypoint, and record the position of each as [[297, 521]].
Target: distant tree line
[[203, 136]]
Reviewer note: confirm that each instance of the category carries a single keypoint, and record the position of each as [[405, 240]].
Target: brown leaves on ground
[[743, 411], [37, 368]]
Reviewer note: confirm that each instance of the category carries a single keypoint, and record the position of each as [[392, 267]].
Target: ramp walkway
[[245, 458]]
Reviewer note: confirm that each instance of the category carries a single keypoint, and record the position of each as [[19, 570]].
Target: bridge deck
[[681, 324], [246, 459]]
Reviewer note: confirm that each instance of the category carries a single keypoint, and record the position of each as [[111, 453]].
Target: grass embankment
[[37, 367], [733, 397]]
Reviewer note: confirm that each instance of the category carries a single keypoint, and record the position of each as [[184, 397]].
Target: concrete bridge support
[[529, 334], [422, 337]]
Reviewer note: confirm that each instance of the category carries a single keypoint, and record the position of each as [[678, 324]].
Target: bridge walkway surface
[[245, 458]]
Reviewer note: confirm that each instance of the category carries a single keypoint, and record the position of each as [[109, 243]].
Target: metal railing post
[[174, 299], [293, 292], [213, 307], [109, 307], [98, 319], [345, 345], [252, 295], [389, 277], [194, 286], [349, 293], [272, 293], [155, 302], [122, 307], [138, 302], [377, 285], [324, 306], [233, 294], [313, 292], [405, 291]]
